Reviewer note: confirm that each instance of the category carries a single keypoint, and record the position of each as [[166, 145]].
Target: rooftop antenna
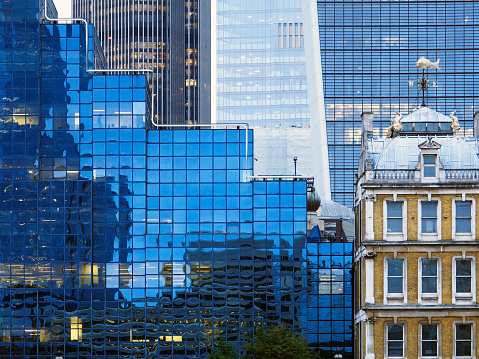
[[423, 83]]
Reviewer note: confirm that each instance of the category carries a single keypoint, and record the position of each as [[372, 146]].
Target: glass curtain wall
[[172, 38], [369, 50], [117, 241], [261, 73]]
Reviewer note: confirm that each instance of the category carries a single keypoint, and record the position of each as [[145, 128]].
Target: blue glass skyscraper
[[369, 50], [119, 238]]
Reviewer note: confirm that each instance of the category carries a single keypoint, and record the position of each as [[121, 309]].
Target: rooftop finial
[[423, 83]]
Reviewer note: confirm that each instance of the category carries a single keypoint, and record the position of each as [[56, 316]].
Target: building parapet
[[413, 175]]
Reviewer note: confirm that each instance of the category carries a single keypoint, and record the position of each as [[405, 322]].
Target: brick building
[[416, 259]]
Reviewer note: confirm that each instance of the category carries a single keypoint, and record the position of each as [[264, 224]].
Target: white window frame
[[464, 236], [464, 298], [430, 298], [439, 339], [397, 236], [386, 339], [473, 335], [424, 165], [429, 236], [395, 298]]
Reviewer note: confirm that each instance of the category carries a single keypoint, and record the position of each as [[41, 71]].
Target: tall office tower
[[368, 51], [262, 80], [170, 37], [261, 72], [117, 241]]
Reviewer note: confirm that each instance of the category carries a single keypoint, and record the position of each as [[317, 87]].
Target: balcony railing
[[393, 174], [462, 174]]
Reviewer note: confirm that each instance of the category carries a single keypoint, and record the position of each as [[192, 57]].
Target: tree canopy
[[223, 350], [279, 343]]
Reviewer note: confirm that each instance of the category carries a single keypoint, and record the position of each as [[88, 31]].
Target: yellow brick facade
[[412, 201], [412, 329], [411, 251]]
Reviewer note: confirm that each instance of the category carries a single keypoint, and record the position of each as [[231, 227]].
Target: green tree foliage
[[279, 343], [223, 350]]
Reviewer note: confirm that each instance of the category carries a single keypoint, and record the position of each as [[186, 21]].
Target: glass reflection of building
[[261, 73], [368, 51], [330, 290], [172, 38], [116, 239]]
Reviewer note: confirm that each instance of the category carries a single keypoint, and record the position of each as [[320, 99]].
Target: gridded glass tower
[[261, 71], [117, 241], [170, 37], [369, 50]]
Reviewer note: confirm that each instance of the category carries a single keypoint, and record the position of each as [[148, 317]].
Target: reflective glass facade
[[261, 72], [169, 37], [117, 240], [369, 50], [330, 295]]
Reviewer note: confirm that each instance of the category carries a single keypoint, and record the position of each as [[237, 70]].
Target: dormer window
[[429, 165]]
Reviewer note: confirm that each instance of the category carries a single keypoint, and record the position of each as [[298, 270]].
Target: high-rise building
[[261, 70], [416, 250], [118, 241], [172, 38], [266, 76], [368, 51]]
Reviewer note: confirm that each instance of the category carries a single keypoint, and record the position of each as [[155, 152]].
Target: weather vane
[[423, 83]]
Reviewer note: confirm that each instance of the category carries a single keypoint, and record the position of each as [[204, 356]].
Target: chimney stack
[[476, 124], [367, 131]]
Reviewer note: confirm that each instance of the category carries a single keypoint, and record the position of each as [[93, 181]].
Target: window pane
[[463, 225], [429, 267], [429, 225], [463, 285], [463, 267], [463, 209], [429, 209], [395, 332], [429, 159], [430, 171], [463, 349], [429, 349], [394, 225], [394, 209], [395, 267], [463, 331], [429, 285], [420, 126], [395, 285], [395, 349], [429, 332]]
